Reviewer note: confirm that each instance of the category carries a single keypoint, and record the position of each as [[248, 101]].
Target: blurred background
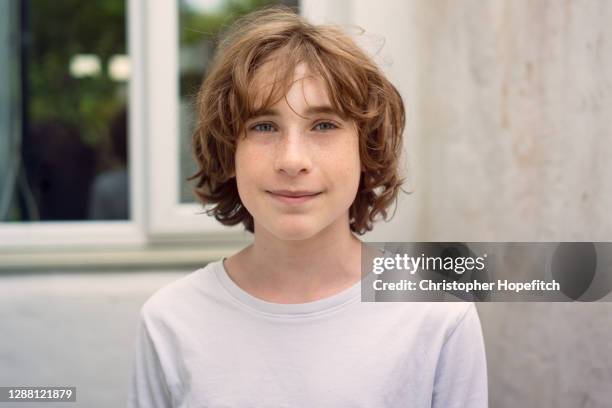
[[508, 139]]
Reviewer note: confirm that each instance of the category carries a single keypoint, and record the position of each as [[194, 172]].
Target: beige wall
[[509, 110], [508, 139]]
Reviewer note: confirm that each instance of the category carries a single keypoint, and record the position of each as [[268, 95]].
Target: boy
[[298, 139]]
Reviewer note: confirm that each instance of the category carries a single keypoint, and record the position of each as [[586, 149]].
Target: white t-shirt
[[205, 342]]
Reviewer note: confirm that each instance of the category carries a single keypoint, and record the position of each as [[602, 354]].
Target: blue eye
[[263, 127], [269, 127], [325, 126]]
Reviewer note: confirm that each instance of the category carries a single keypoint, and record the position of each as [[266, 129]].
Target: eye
[[325, 126], [263, 127]]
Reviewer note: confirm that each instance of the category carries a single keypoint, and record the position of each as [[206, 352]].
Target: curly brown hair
[[357, 89]]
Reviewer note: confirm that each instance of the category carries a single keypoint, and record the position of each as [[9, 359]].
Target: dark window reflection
[[67, 128], [60, 168], [109, 198]]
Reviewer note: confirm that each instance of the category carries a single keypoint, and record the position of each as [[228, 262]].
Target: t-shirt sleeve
[[148, 386], [461, 374]]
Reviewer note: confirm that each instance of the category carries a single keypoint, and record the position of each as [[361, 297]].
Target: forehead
[[299, 86]]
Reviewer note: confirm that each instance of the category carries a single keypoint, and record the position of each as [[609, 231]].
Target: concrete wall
[[73, 329], [508, 139]]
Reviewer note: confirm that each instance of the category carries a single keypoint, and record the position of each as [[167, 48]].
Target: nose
[[292, 154]]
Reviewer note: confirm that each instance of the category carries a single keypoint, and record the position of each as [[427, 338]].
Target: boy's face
[[315, 154]]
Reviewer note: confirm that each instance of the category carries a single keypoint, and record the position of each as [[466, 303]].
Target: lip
[[294, 199]]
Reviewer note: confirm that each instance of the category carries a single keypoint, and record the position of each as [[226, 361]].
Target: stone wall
[[509, 105]]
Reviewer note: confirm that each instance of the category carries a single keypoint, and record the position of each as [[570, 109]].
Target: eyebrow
[[312, 110]]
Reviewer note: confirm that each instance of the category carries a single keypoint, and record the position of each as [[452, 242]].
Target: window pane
[[200, 22], [65, 104]]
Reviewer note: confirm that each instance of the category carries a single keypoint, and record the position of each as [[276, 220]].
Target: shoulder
[[458, 323], [454, 312], [439, 314], [453, 326], [434, 321], [450, 315], [461, 314], [178, 298]]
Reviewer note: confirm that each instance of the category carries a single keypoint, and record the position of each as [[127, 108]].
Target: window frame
[[51, 235], [157, 215], [168, 217]]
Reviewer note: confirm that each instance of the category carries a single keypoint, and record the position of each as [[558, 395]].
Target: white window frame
[[53, 235], [157, 215], [168, 217]]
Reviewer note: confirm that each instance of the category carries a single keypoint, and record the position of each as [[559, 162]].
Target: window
[[191, 46], [65, 107], [96, 100]]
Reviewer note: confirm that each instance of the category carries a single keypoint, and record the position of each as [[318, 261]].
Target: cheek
[[252, 177], [355, 158], [245, 173], [356, 170], [245, 160], [347, 169]]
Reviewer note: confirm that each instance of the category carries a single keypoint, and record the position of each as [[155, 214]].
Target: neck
[[301, 270]]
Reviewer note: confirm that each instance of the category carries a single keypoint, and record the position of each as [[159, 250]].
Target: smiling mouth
[[293, 199]]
